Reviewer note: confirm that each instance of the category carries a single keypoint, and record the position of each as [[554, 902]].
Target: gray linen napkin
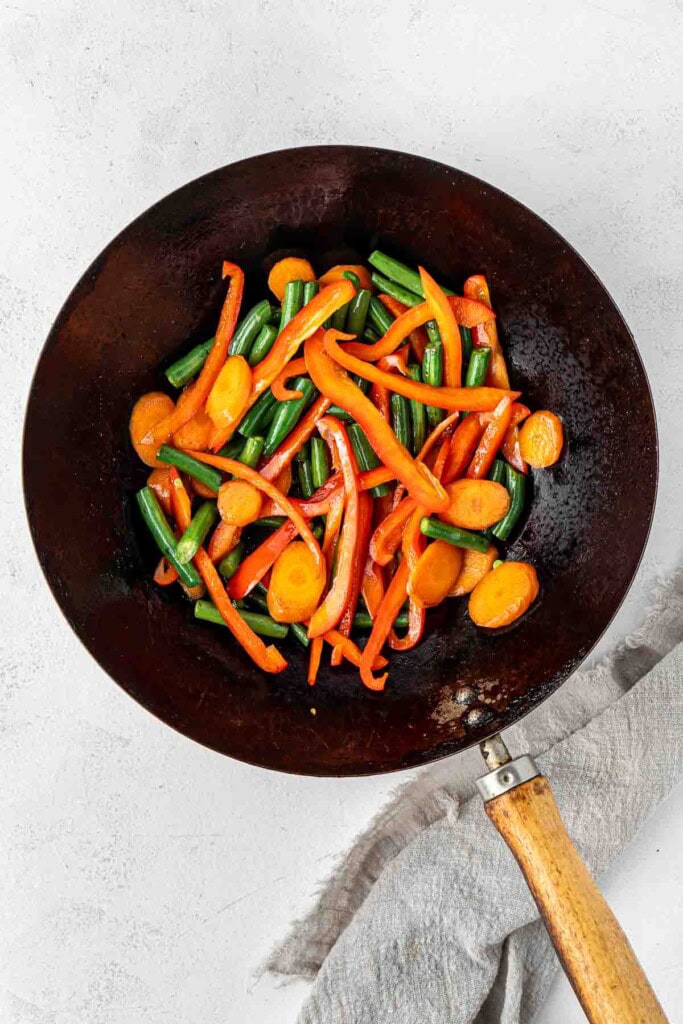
[[427, 919]]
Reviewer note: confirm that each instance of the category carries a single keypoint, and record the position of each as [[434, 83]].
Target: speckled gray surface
[[144, 877]]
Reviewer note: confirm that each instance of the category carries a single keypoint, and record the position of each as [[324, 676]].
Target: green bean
[[320, 462], [251, 452], [159, 527], [497, 473], [516, 485], [276, 316], [340, 414], [380, 317], [301, 633], [232, 449], [259, 416], [362, 620], [399, 272], [269, 522], [338, 319], [259, 598], [358, 310], [246, 331], [418, 414], [434, 528], [433, 332], [353, 278], [194, 536], [304, 475], [206, 475], [261, 624], [263, 344], [432, 373], [387, 287], [292, 302], [189, 365], [365, 456], [310, 291], [467, 344], [477, 366], [400, 421], [318, 531], [229, 565], [288, 414], [370, 335]]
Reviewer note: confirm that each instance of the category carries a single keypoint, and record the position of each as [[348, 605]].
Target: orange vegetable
[[435, 574], [491, 440], [165, 574], [475, 565], [255, 566], [350, 650], [292, 268], [486, 336], [149, 411], [463, 446], [296, 584], [386, 539], [160, 482], [470, 312], [223, 539], [503, 594], [475, 504], [239, 503], [360, 557], [372, 587], [541, 439], [337, 274], [413, 635], [448, 329], [295, 368], [511, 451], [336, 385], [382, 625], [230, 393], [199, 391], [418, 336], [402, 327], [181, 503], [283, 481], [283, 456], [314, 656]]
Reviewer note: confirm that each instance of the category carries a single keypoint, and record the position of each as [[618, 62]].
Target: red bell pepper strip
[[519, 414], [165, 574], [260, 561], [350, 650], [386, 539], [335, 384], [416, 624], [463, 446], [486, 335], [397, 361], [295, 368], [382, 626], [360, 558], [511, 451], [372, 587], [448, 329], [314, 657], [294, 442], [199, 391], [491, 441], [329, 613], [418, 336]]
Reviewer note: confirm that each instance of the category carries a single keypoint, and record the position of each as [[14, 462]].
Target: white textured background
[[142, 878]]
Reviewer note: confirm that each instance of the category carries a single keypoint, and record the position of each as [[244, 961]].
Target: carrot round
[[541, 438], [292, 268], [475, 565], [196, 433], [160, 482], [337, 274], [296, 584], [239, 503], [475, 504], [503, 594], [435, 574], [149, 410], [230, 393]]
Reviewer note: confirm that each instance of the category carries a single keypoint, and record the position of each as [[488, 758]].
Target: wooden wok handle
[[592, 948]]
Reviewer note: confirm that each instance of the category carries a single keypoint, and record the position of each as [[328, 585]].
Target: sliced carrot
[[541, 439], [149, 410], [165, 574], [230, 393], [181, 503], [491, 440], [475, 565], [476, 504], [196, 432], [435, 574], [296, 584], [291, 268], [337, 274], [160, 482], [200, 488], [239, 503], [503, 594], [223, 539]]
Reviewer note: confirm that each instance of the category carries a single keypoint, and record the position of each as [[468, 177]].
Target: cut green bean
[[261, 624], [387, 287], [362, 620], [477, 367], [288, 414], [268, 522], [300, 632], [232, 449], [433, 332], [400, 418], [370, 335], [292, 302], [320, 462], [304, 475], [434, 528], [252, 451], [318, 531], [310, 291], [358, 313], [340, 414], [432, 373], [194, 536], [467, 344], [338, 319], [399, 272], [159, 527], [258, 418], [229, 565], [263, 344], [189, 365], [353, 278], [248, 329], [516, 485], [498, 561], [365, 456], [206, 475], [259, 599], [380, 317], [418, 414], [497, 473]]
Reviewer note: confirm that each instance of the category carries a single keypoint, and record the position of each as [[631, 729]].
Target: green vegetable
[[380, 317], [497, 473], [258, 418], [399, 272], [229, 565], [418, 414], [159, 527], [310, 291], [292, 302], [318, 531], [301, 633], [498, 561], [477, 366], [261, 624], [434, 528], [193, 538], [288, 414], [263, 344], [232, 449], [365, 456], [432, 373], [269, 522], [370, 335], [304, 475], [387, 287], [188, 366], [400, 418], [340, 414], [248, 329], [251, 452], [338, 319], [320, 462], [188, 464], [516, 485], [353, 278], [362, 620], [358, 310], [433, 332], [467, 344]]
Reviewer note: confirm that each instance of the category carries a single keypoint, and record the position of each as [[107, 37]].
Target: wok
[[156, 289]]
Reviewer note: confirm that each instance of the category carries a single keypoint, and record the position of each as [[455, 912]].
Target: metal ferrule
[[507, 777]]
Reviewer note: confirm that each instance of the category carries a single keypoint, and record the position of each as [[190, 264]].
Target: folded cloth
[[428, 920]]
